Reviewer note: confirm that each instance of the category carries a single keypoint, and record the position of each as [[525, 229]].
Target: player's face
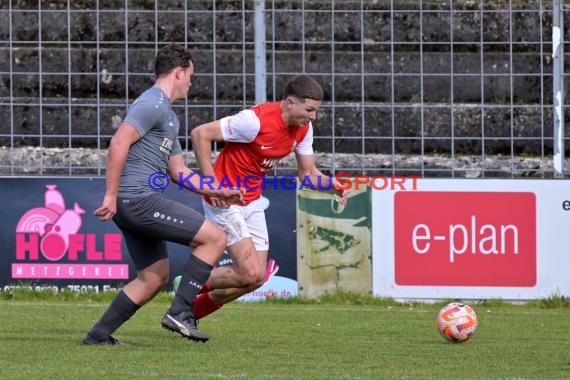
[[185, 78], [301, 112]]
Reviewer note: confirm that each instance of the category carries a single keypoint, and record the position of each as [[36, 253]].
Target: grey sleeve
[[143, 116], [176, 148]]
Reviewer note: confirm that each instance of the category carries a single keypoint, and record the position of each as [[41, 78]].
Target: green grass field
[[337, 338]]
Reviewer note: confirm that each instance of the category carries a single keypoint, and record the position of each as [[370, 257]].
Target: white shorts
[[240, 222]]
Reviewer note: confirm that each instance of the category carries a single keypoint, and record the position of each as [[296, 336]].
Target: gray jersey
[[152, 116]]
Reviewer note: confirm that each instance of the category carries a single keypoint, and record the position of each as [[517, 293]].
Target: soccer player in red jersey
[[255, 140]]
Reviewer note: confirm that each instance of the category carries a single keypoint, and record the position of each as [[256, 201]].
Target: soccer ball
[[457, 322]]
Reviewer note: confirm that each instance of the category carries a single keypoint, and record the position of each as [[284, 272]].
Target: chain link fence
[[439, 89]]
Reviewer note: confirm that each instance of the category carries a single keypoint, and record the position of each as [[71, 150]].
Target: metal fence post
[[260, 64], [558, 86]]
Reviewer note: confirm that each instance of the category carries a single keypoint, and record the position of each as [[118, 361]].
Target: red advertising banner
[[462, 238]]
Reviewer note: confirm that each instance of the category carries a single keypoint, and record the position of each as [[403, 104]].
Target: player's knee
[[211, 236], [254, 285], [219, 240], [258, 282], [254, 278]]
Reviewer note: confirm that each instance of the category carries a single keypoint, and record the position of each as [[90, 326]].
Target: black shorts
[[148, 222]]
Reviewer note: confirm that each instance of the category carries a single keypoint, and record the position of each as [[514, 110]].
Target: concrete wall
[[471, 121]]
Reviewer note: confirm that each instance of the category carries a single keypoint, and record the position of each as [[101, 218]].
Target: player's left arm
[[308, 172]]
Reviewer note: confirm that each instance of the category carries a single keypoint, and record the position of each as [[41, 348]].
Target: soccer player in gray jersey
[[144, 148]]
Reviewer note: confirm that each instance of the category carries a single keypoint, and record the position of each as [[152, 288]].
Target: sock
[[203, 305], [205, 289], [121, 309], [196, 273]]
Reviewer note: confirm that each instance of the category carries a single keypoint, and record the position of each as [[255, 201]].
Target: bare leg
[[209, 243], [148, 282], [136, 293], [245, 275]]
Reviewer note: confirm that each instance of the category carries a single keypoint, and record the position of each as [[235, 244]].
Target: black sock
[[196, 273], [121, 309]]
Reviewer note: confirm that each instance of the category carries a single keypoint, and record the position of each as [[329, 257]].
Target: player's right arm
[[202, 138], [241, 127], [125, 136]]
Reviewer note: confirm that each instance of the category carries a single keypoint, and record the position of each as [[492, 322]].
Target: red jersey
[[255, 140]]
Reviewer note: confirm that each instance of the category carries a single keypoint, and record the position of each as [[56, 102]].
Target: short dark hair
[[303, 87], [170, 57]]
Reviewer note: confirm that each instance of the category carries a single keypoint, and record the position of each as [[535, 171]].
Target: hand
[[224, 197], [108, 209], [342, 194], [217, 202]]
